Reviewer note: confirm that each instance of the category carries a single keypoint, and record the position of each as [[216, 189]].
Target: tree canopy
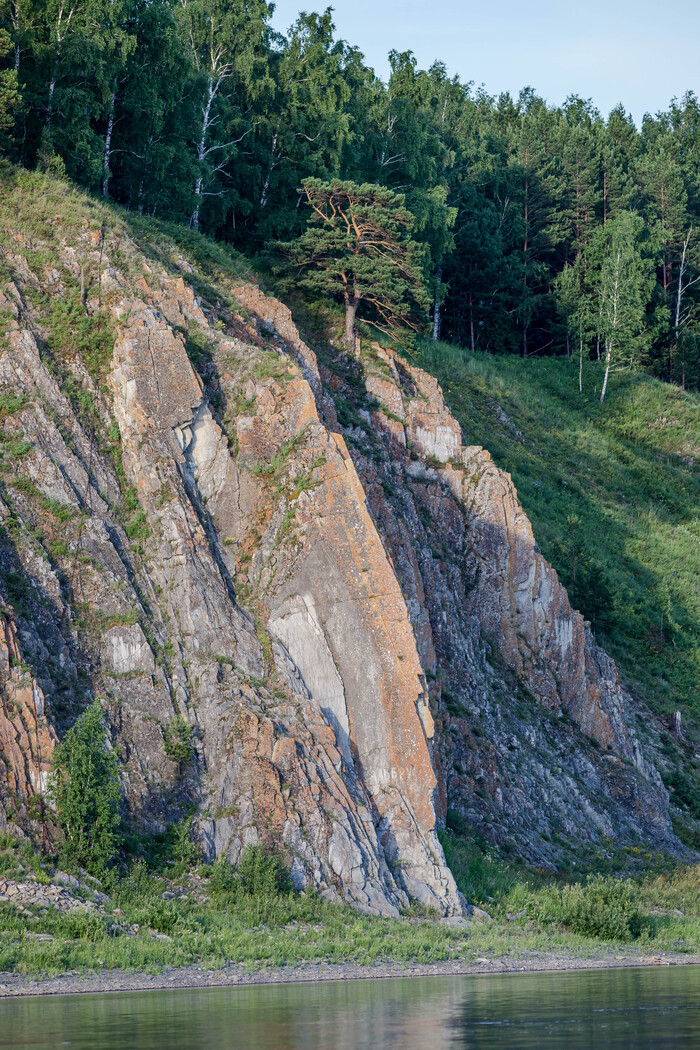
[[198, 112], [85, 789], [357, 247]]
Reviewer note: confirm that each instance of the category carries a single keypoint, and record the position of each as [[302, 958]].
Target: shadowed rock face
[[522, 688], [355, 621]]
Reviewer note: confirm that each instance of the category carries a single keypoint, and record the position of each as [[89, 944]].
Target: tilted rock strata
[[513, 656], [338, 593], [145, 610], [230, 558], [27, 739]]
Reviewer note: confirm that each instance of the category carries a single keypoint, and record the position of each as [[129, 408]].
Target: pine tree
[[358, 248], [9, 94]]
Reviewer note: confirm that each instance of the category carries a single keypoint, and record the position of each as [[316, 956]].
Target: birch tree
[[626, 282], [226, 42]]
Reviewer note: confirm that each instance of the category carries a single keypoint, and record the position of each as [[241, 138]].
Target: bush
[[262, 874], [259, 874], [601, 907], [179, 741], [84, 787], [184, 849]]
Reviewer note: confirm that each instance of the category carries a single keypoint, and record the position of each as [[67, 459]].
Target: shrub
[[262, 874], [179, 741], [601, 907], [184, 849], [84, 787]]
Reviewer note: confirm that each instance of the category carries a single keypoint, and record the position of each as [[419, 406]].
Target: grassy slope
[[628, 470]]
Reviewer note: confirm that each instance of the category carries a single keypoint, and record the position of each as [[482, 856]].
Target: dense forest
[[544, 229]]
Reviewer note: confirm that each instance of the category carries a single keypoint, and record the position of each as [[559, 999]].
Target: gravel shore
[[192, 977]]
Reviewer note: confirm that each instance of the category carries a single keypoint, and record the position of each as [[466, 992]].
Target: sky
[[638, 52]]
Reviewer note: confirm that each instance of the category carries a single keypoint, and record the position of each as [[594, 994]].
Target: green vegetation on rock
[[85, 789]]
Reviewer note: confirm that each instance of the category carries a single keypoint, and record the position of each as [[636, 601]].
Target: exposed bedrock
[[350, 621]]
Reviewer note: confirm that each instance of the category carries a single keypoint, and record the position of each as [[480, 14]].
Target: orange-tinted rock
[[27, 739]]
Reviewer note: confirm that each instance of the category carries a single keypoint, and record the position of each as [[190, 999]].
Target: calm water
[[634, 1009]]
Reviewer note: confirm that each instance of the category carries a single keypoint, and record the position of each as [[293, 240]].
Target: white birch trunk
[[437, 316], [610, 338], [108, 146], [580, 360], [202, 150], [266, 186]]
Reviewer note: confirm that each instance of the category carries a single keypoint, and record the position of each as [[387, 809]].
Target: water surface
[[632, 1009]]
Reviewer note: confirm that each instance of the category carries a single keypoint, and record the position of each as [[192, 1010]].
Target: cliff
[[296, 559]]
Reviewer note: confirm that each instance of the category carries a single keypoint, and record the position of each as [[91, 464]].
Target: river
[[584, 1010]]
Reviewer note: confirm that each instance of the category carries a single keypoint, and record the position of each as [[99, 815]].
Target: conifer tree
[[358, 248], [9, 95]]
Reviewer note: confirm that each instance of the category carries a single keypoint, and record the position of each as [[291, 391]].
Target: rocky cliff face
[[536, 739], [296, 564]]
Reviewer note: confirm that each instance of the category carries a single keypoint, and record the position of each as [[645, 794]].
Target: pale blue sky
[[639, 52]]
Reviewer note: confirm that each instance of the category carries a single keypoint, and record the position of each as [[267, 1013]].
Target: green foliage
[[260, 874], [515, 203], [478, 869], [600, 907], [73, 332], [357, 248], [85, 790], [263, 874], [9, 94], [179, 741], [685, 790], [626, 284], [196, 345]]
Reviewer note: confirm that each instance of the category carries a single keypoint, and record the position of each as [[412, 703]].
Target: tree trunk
[[202, 151], [608, 356], [437, 319], [472, 341], [108, 145], [266, 185], [679, 305], [194, 218], [351, 306], [49, 108], [580, 362], [525, 250]]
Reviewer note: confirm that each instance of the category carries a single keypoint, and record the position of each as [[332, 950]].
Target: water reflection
[[640, 1009]]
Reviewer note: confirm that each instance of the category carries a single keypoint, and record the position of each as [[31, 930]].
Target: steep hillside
[[314, 615], [613, 494]]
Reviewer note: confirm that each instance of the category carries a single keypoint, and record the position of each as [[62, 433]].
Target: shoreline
[[14, 985]]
